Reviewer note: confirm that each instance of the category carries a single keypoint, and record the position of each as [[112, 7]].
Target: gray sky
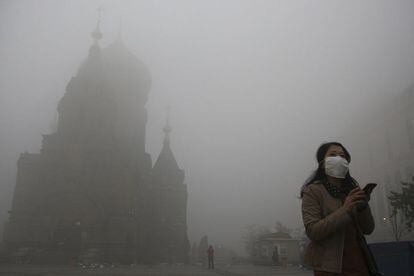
[[255, 86]]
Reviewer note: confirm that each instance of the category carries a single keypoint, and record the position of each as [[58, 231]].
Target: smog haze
[[254, 87]]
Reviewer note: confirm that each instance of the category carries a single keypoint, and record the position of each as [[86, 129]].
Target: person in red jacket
[[210, 254]]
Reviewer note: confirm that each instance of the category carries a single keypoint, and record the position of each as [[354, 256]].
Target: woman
[[336, 215]]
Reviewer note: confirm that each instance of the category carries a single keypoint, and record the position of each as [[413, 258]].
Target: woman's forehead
[[335, 148]]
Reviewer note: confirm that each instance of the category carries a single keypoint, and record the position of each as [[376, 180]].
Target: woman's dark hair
[[319, 174]]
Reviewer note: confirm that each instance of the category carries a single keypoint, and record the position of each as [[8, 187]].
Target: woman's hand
[[356, 197]]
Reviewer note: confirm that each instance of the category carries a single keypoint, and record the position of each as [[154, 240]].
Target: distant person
[[336, 216], [275, 256], [210, 255]]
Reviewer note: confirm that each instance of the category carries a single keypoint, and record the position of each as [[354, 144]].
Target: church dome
[[127, 75]]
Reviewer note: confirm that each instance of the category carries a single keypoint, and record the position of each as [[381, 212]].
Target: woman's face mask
[[336, 166]]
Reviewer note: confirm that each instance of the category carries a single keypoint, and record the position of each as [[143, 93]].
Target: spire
[[167, 129], [166, 169], [95, 50], [97, 34]]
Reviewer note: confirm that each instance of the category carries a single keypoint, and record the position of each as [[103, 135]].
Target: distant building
[[287, 249], [382, 148], [92, 189]]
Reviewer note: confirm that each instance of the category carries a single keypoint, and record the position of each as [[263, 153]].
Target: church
[[92, 188]]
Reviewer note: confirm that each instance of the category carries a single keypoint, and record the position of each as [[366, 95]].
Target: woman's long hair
[[319, 174]]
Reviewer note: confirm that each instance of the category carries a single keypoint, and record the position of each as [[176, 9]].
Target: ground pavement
[[255, 270], [158, 270]]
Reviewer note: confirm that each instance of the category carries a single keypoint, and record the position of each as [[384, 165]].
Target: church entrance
[[67, 236]]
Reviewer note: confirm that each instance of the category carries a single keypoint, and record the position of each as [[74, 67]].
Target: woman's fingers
[[355, 197], [359, 193], [353, 191], [359, 198], [356, 202]]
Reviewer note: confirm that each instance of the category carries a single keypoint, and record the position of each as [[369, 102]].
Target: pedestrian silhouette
[[275, 256], [210, 254]]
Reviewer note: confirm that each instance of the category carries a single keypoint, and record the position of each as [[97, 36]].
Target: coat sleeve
[[318, 227], [365, 221]]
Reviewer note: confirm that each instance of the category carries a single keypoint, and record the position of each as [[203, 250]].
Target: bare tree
[[282, 228], [398, 224], [402, 204]]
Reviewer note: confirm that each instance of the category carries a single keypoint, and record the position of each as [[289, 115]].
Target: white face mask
[[336, 166]]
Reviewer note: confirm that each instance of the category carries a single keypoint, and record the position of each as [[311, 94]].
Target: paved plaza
[[159, 270]]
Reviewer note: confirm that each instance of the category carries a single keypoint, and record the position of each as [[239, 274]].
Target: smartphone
[[369, 188]]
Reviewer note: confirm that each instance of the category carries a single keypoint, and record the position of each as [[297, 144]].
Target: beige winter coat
[[325, 220]]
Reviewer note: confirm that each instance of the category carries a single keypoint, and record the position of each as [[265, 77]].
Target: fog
[[254, 87]]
